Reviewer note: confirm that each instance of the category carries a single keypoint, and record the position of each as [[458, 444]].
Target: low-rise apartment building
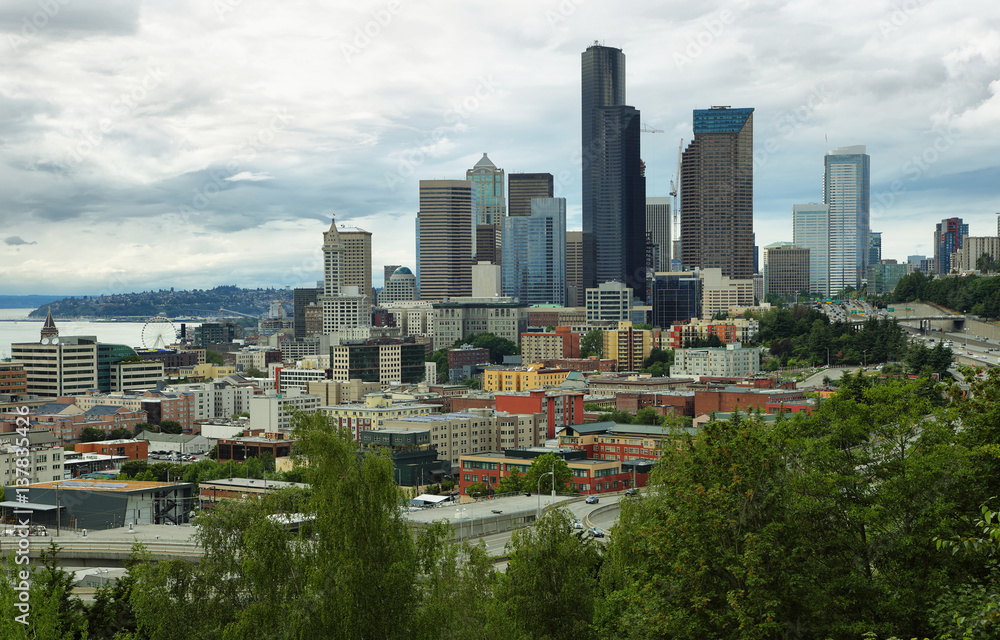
[[373, 414]]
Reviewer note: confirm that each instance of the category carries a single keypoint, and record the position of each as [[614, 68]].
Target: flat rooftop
[[252, 483], [108, 485]]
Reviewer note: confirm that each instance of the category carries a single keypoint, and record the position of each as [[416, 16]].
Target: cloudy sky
[[191, 143]]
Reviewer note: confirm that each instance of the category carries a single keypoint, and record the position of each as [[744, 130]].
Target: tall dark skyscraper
[[522, 187], [614, 191], [717, 193]]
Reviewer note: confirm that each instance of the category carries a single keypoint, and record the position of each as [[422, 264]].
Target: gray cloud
[[16, 240]]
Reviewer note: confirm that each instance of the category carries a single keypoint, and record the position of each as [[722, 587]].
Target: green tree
[[499, 347], [477, 490], [121, 433], [619, 416], [513, 483], [550, 587], [214, 357], [254, 372], [592, 344], [544, 464], [90, 434], [648, 415], [440, 358], [143, 426], [170, 426]]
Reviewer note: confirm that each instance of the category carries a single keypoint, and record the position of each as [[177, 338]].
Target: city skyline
[[145, 153]]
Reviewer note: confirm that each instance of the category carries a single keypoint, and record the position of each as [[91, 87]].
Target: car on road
[[596, 532], [632, 492], [592, 500], [578, 524]]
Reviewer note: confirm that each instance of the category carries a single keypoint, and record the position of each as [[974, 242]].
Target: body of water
[[15, 327]]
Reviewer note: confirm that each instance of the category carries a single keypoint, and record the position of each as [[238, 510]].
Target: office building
[[444, 241], [401, 286], [272, 411], [609, 302], [516, 379], [682, 334], [522, 187], [717, 193], [676, 297], [658, 230], [356, 259], [383, 360], [811, 230], [534, 253], [302, 298], [978, 253], [847, 191], [786, 270], [874, 247], [614, 188], [720, 294], [489, 207], [58, 365], [884, 276], [558, 344], [948, 235], [333, 260], [575, 291], [387, 271], [487, 280], [373, 414], [458, 318]]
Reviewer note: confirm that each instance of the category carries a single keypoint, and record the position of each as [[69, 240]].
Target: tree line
[[973, 294]]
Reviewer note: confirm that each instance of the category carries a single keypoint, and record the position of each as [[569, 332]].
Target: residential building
[[129, 448], [534, 253], [44, 454], [464, 357], [609, 386], [135, 376], [67, 421], [374, 413], [609, 302], [415, 461], [720, 294], [658, 231], [614, 187], [560, 343], [458, 318], [676, 297], [717, 193], [414, 318], [550, 315], [277, 444], [733, 360], [347, 315], [333, 392], [619, 442], [811, 230], [786, 270], [681, 334], [401, 286], [522, 187], [211, 333], [589, 477], [298, 377], [560, 408], [219, 399], [532, 376], [973, 249], [444, 239], [13, 379], [628, 345], [847, 191], [271, 411], [948, 236]]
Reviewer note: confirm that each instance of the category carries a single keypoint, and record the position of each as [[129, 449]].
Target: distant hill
[[26, 302], [197, 302]]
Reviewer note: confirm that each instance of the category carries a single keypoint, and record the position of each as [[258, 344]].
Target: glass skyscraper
[[534, 253], [717, 193], [614, 189], [811, 230], [847, 190], [947, 239], [676, 297]]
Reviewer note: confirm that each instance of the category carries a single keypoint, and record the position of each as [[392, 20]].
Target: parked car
[[596, 532], [592, 500]]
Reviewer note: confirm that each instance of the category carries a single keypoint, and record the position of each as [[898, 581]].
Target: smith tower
[[717, 193], [614, 196]]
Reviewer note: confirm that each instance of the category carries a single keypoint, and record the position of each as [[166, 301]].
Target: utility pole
[[58, 511]]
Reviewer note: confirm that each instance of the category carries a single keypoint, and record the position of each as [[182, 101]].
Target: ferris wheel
[[158, 332]]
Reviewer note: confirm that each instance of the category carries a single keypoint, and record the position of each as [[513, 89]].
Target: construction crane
[[648, 129], [673, 194]]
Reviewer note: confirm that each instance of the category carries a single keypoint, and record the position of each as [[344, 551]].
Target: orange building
[[132, 449]]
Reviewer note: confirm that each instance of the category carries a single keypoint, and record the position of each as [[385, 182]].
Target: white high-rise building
[[847, 191], [811, 230], [346, 309]]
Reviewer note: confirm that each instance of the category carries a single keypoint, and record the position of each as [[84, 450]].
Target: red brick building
[[467, 356], [560, 408], [561, 343], [742, 399], [680, 403], [132, 449], [583, 365], [13, 379]]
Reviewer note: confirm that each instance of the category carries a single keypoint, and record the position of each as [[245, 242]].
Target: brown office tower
[[522, 187], [487, 241], [717, 193], [575, 291], [444, 239], [356, 259]]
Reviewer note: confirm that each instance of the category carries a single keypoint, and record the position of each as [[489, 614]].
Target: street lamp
[[538, 492], [865, 352]]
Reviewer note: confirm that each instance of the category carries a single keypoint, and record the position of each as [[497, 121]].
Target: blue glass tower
[[534, 253]]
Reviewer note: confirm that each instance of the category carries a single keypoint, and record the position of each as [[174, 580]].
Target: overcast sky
[[158, 143]]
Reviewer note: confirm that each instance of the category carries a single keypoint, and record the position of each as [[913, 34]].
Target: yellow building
[[208, 370], [526, 378], [629, 346]]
